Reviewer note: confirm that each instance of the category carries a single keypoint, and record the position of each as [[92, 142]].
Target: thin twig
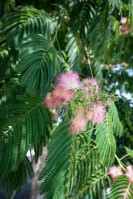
[[13, 195], [56, 33], [120, 163], [126, 156]]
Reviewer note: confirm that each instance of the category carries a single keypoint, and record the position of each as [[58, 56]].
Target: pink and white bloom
[[90, 84], [114, 172], [129, 173], [69, 80], [123, 20], [99, 113], [79, 123], [57, 97], [96, 113], [60, 95]]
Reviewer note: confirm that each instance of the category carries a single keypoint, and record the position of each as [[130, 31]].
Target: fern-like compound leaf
[[22, 126], [105, 141], [38, 63], [18, 178], [121, 188], [117, 125], [23, 22], [57, 164]]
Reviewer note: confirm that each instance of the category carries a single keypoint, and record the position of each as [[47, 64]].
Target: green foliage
[[25, 21], [119, 4], [72, 167], [117, 125], [22, 127], [94, 186], [100, 31], [105, 141], [88, 176], [3, 57], [98, 72], [7, 62], [129, 152], [38, 63], [18, 178], [6, 6], [85, 158], [120, 188], [87, 35], [8, 93], [72, 50], [80, 17], [57, 163]]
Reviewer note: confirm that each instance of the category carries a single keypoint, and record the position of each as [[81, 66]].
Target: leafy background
[[38, 41]]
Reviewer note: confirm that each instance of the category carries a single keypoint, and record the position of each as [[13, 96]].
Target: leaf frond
[[22, 127], [38, 63], [23, 22], [105, 141], [57, 163]]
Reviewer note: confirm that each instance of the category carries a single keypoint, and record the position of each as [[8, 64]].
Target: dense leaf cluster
[[38, 41]]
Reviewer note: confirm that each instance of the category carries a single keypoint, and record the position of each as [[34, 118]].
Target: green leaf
[[72, 50], [98, 72], [25, 21], [8, 92], [18, 178], [85, 160], [7, 62], [94, 186], [129, 152], [87, 176], [105, 141], [117, 125], [22, 127], [119, 4], [57, 163], [121, 188], [81, 15], [38, 63]]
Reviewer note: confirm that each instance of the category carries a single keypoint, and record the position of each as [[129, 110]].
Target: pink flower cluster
[[129, 173], [69, 80], [116, 171], [64, 90], [124, 28], [57, 97], [95, 114], [79, 122], [67, 85]]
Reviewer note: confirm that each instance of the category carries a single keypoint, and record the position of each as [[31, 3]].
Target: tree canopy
[[45, 46]]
